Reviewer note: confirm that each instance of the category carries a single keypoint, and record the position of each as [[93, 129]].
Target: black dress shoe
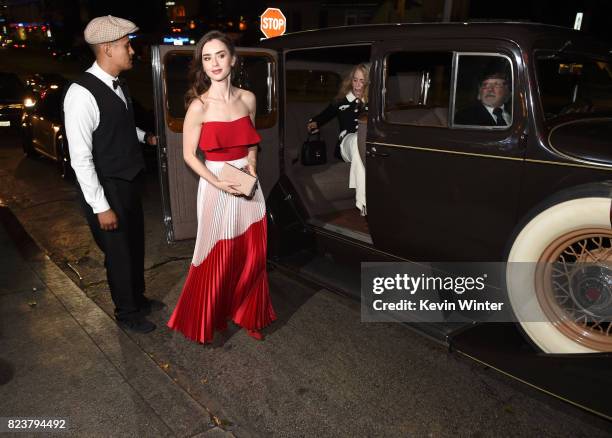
[[138, 325], [151, 305]]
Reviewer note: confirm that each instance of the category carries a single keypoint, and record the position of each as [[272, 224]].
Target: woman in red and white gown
[[227, 279]]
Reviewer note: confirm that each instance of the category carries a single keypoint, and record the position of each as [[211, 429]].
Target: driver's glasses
[[493, 84]]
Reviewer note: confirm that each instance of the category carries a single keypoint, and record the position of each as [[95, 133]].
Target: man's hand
[[150, 139], [108, 220]]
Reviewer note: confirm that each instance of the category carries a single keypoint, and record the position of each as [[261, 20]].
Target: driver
[[490, 110]]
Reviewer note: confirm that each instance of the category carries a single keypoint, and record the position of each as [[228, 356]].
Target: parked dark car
[[38, 82], [43, 129], [43, 126], [534, 188], [12, 100]]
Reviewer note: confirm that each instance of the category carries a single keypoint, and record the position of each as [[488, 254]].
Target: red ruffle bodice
[[225, 141]]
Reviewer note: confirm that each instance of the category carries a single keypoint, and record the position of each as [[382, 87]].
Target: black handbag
[[314, 152]]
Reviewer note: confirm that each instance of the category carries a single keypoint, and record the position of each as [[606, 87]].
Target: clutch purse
[[246, 183]]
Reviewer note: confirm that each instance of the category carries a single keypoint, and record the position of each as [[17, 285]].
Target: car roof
[[525, 34]]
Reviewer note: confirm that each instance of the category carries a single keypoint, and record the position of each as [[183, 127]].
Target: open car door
[[256, 70]]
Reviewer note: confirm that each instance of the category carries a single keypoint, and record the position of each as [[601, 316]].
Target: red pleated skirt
[[227, 278]]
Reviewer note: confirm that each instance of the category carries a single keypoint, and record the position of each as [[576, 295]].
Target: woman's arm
[[323, 117], [192, 126], [251, 102]]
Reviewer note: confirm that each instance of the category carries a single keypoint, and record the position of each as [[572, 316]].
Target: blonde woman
[[350, 103]]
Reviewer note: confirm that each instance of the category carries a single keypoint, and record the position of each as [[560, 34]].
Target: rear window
[[417, 88], [574, 84]]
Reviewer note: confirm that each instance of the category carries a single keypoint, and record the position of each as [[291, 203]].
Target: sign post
[[273, 23]]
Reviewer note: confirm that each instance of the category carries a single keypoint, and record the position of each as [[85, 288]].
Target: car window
[[308, 85], [251, 72], [483, 92], [417, 88], [574, 84], [316, 75], [50, 106], [176, 70]]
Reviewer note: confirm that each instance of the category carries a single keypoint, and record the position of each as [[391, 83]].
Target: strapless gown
[[227, 278]]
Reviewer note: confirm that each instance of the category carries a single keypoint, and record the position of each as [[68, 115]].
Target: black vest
[[116, 152]]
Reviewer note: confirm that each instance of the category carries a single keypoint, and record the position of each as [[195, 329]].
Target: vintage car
[[536, 188]]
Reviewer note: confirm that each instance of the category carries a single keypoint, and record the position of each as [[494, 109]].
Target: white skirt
[[222, 216]]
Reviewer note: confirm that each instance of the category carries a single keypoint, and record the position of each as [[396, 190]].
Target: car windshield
[[10, 86], [51, 104], [574, 84]]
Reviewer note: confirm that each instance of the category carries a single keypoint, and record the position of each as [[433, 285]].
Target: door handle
[[373, 152]]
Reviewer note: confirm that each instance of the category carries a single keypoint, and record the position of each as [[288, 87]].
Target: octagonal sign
[[273, 23]]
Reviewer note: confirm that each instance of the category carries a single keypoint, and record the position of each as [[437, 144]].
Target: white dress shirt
[[505, 114], [82, 117]]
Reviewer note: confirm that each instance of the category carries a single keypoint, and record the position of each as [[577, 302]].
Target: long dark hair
[[198, 80]]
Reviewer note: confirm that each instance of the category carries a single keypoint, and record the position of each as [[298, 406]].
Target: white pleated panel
[[221, 215]]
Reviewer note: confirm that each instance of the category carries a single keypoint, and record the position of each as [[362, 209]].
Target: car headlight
[[29, 102]]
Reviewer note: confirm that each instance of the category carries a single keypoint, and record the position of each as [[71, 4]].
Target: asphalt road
[[320, 371]]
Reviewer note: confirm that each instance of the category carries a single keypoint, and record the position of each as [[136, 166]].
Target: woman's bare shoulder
[[197, 108], [248, 98], [246, 95]]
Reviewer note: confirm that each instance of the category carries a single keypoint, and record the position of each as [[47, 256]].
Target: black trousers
[[123, 248]]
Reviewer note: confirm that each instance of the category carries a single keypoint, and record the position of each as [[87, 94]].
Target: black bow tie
[[117, 83]]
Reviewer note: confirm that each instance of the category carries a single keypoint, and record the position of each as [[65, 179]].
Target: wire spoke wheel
[[574, 286]]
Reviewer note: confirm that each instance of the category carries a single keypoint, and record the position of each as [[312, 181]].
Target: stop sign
[[273, 23]]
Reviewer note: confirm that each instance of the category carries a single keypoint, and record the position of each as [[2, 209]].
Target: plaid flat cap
[[108, 28]]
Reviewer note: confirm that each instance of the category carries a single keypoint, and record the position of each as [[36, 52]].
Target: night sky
[[70, 16], [597, 18]]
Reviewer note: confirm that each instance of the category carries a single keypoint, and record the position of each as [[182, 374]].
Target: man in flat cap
[[107, 160]]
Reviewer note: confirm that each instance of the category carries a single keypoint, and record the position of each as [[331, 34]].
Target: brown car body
[[436, 190]]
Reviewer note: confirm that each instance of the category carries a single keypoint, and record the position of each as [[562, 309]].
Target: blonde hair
[[347, 82]]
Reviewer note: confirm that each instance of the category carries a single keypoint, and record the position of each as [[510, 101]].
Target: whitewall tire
[[548, 233]]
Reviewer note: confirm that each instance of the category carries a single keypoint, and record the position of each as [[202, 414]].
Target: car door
[[436, 190], [257, 71], [46, 123]]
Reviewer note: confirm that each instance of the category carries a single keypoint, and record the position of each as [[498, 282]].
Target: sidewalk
[[63, 356]]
